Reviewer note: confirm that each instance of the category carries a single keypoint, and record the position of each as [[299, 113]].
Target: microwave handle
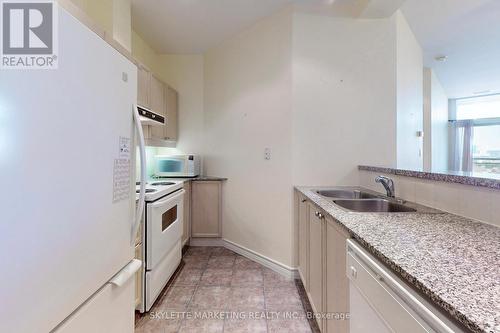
[[171, 197], [142, 192]]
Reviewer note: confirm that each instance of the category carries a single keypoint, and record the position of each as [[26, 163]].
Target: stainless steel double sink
[[357, 199]]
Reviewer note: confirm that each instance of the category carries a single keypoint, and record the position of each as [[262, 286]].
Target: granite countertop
[[453, 260], [208, 178], [489, 180], [197, 178]]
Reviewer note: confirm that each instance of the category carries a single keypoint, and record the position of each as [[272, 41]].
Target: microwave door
[[170, 167]]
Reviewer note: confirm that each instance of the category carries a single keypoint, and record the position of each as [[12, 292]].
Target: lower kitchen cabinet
[[316, 260], [303, 216], [186, 233], [322, 264], [206, 209]]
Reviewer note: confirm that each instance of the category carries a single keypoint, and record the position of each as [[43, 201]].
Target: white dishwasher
[[380, 302]]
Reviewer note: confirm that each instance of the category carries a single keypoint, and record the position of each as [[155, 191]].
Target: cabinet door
[[206, 200], [186, 234], [172, 113], [143, 86], [316, 264], [337, 283], [158, 105], [303, 213]]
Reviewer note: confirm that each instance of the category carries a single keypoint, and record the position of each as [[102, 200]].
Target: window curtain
[[462, 152]]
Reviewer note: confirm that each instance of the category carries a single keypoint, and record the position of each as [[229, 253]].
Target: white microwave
[[177, 165]]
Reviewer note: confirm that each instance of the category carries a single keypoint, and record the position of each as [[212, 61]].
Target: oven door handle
[[171, 197]]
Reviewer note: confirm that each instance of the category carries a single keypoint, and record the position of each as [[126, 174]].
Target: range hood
[[148, 117]]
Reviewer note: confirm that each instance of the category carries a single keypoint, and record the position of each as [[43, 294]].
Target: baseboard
[[280, 268], [201, 241], [300, 277]]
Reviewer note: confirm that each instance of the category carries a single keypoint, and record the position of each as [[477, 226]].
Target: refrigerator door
[[62, 234], [108, 310]]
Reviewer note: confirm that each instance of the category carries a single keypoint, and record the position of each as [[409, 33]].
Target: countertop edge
[[197, 179], [408, 277], [437, 176]]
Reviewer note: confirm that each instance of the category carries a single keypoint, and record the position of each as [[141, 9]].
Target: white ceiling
[[193, 26], [468, 32]]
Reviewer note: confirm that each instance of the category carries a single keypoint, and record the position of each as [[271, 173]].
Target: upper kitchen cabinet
[[157, 96], [143, 86], [158, 105], [172, 110]]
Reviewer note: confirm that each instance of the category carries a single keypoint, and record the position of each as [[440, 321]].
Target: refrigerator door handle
[[126, 273], [142, 192]]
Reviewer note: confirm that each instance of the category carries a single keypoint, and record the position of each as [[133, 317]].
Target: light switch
[[267, 154]]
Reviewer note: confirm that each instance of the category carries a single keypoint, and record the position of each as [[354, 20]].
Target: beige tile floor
[[219, 291]]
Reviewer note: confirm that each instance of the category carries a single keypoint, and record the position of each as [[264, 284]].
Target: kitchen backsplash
[[478, 203], [151, 152]]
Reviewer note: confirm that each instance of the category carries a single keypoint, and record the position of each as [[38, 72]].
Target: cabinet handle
[[354, 272], [316, 214], [320, 216], [303, 200]]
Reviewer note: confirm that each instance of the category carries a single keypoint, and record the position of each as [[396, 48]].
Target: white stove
[[156, 189], [162, 221]]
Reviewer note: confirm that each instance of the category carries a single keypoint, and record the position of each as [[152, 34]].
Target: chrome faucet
[[388, 184]]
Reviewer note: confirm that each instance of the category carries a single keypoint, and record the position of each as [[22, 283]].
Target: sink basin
[[373, 206], [346, 194]]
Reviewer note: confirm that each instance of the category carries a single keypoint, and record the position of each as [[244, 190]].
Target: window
[[486, 149], [482, 116], [478, 107]]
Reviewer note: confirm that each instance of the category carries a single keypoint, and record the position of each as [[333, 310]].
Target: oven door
[[164, 225]]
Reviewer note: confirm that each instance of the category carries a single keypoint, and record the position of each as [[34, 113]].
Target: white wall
[[248, 108], [321, 93], [409, 97], [122, 23], [113, 16], [439, 134], [427, 145], [435, 123], [344, 97]]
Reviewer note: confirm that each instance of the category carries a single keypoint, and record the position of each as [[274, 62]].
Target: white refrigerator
[[68, 190]]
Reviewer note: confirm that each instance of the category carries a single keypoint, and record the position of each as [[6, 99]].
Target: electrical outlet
[[267, 154]]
